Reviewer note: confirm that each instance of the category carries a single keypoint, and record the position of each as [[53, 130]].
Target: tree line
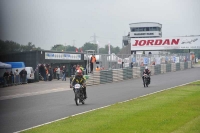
[[11, 46], [86, 46]]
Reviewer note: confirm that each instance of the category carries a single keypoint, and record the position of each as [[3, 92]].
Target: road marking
[[33, 93], [103, 107]]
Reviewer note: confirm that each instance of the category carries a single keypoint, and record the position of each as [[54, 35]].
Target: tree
[[89, 46], [29, 47], [60, 47]]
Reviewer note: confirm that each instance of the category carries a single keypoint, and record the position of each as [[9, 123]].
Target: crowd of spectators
[[15, 78]]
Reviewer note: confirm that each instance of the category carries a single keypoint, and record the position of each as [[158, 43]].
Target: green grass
[[176, 110]]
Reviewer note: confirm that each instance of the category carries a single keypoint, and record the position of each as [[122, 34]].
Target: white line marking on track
[[103, 107]]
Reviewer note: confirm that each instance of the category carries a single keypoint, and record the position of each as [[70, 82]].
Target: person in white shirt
[[16, 77], [58, 72]]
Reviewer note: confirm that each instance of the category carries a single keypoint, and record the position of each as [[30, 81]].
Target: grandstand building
[[140, 30]]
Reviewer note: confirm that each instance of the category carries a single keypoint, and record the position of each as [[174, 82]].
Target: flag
[[81, 50], [76, 50]]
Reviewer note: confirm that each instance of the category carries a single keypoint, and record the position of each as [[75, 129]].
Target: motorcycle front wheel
[[77, 100]]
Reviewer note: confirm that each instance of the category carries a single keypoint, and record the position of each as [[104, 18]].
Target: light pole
[[97, 47]]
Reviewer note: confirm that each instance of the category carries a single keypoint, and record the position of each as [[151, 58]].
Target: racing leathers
[[79, 79], [146, 71]]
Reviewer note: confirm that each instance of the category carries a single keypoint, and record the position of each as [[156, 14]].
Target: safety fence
[[13, 80], [114, 75], [112, 61]]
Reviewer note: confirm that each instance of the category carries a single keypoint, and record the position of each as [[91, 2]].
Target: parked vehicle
[[30, 74], [16, 65], [79, 96]]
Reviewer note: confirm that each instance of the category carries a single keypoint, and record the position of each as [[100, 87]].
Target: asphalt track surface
[[29, 105]]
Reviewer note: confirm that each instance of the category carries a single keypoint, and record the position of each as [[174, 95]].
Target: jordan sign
[[165, 43]]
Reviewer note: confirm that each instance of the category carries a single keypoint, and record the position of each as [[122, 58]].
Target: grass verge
[[176, 110]]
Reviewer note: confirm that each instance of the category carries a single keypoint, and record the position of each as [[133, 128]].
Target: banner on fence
[[157, 60], [62, 56], [146, 60], [192, 42]]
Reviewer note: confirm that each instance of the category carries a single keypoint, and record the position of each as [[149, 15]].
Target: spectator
[[58, 73], [193, 58], [92, 61], [50, 74], [16, 77], [42, 71], [6, 77], [131, 64], [11, 78], [47, 74], [122, 64], [97, 69], [54, 72], [74, 69], [23, 76], [64, 71]]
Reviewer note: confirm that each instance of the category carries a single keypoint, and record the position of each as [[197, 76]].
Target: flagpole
[[97, 47], [109, 47]]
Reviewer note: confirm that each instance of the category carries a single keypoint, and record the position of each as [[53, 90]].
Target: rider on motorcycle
[[146, 71], [79, 79]]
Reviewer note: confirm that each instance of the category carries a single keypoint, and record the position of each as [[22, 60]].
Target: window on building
[[140, 29], [132, 29], [154, 28]]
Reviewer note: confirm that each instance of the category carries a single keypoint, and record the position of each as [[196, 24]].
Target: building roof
[[145, 22]]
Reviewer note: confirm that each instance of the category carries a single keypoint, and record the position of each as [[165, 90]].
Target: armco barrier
[[177, 66], [185, 65], [115, 75], [182, 65], [189, 64], [163, 68], [173, 67], [168, 67]]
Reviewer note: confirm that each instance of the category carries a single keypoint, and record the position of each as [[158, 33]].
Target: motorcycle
[[79, 96], [146, 80]]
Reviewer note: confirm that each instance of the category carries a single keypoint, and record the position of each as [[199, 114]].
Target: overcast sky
[[49, 22]]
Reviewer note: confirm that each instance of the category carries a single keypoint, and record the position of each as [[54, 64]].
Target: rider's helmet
[[79, 72], [146, 67]]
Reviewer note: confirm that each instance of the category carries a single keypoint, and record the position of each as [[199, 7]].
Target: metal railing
[[112, 61], [13, 80]]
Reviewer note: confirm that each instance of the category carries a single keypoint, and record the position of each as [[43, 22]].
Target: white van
[[30, 74]]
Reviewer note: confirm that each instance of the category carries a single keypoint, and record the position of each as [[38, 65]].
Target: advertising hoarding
[[62, 56], [192, 42]]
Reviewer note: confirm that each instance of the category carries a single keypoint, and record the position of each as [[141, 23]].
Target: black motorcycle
[[79, 96], [146, 80]]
